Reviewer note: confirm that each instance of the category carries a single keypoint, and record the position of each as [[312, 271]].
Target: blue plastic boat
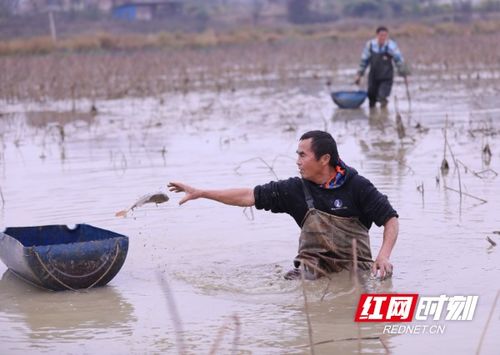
[[57, 257], [349, 99]]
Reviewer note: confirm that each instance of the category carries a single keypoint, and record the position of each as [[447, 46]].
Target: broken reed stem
[[466, 194], [324, 118], [477, 174], [485, 171], [221, 333], [331, 247], [237, 332], [326, 289], [306, 310], [478, 351], [218, 339], [457, 168], [400, 162], [382, 341], [250, 216], [445, 137], [354, 274], [1, 196], [408, 92], [281, 156], [270, 167], [491, 241], [343, 339], [172, 307], [319, 270]]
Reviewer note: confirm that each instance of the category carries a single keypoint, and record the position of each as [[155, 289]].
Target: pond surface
[[224, 265]]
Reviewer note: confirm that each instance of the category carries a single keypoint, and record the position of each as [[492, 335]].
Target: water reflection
[[218, 272], [378, 118], [64, 315], [348, 115], [331, 308], [43, 119], [376, 133]]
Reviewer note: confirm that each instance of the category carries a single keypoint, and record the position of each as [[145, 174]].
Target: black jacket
[[356, 197]]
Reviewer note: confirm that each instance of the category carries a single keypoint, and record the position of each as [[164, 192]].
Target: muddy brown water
[[223, 261]]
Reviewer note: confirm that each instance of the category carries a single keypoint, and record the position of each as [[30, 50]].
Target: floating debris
[[486, 154], [420, 128], [445, 167], [158, 197], [492, 242]]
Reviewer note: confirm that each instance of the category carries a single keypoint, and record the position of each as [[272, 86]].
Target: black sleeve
[[277, 196], [372, 203]]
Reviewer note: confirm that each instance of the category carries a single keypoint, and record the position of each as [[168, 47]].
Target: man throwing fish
[[332, 204], [379, 53]]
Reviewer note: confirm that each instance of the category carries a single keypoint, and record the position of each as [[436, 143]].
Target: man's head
[[317, 154], [382, 34]]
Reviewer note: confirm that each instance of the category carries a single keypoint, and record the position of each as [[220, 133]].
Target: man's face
[[309, 167], [382, 37]]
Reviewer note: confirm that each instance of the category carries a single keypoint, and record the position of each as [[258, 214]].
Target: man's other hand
[[382, 268]]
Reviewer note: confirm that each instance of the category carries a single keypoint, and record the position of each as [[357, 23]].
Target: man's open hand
[[191, 192]]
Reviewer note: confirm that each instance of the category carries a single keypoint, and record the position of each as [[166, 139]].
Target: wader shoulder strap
[[307, 195], [387, 50]]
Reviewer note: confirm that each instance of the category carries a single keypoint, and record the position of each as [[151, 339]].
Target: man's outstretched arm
[[382, 263], [234, 197]]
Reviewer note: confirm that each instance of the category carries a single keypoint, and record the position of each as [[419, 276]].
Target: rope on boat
[[69, 287]]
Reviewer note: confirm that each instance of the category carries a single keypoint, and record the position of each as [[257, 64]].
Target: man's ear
[[325, 159]]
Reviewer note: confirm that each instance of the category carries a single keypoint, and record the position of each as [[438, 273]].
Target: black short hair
[[381, 29], [323, 143]]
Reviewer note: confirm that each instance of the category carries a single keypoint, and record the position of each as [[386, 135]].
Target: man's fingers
[[175, 187], [381, 269], [179, 187], [386, 271]]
